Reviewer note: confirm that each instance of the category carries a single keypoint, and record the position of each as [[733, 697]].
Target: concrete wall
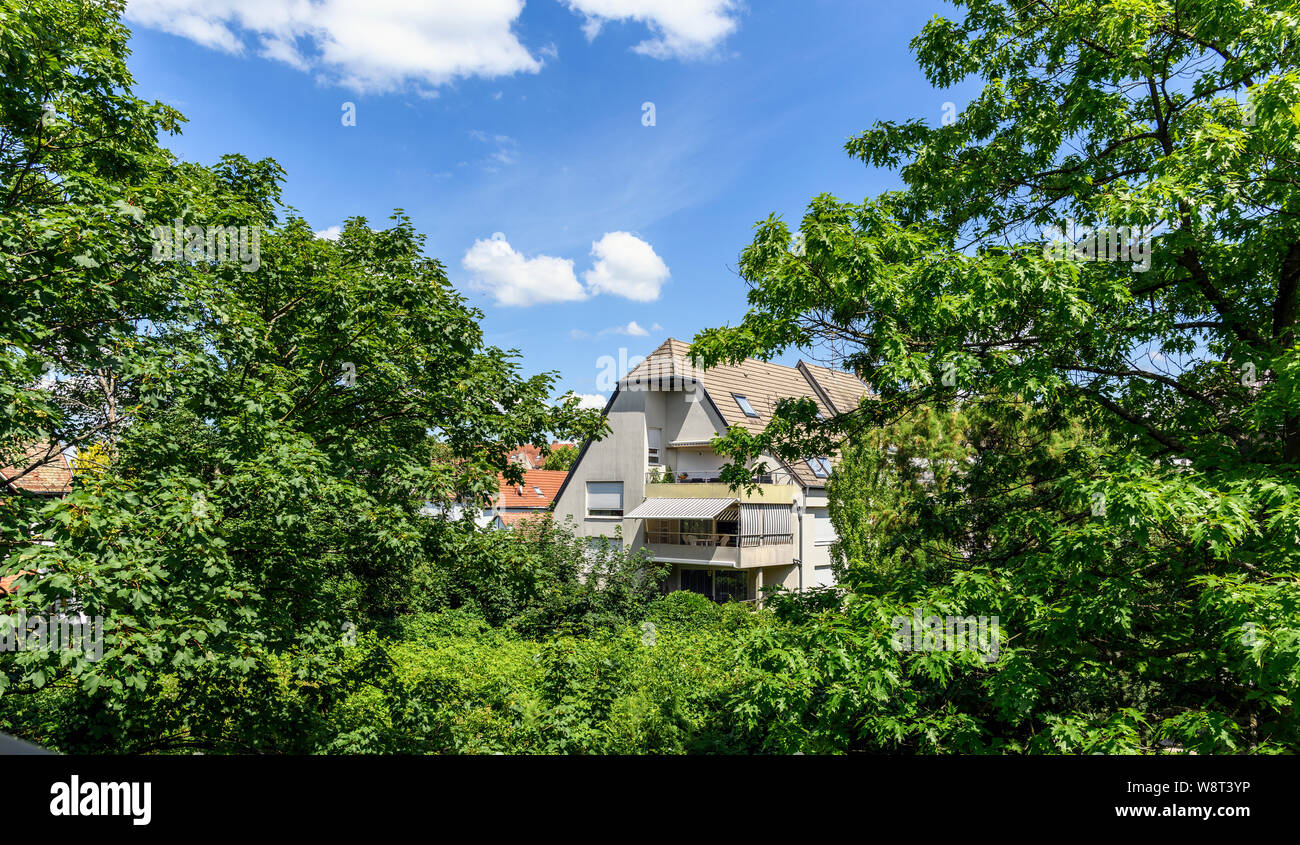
[[621, 456]]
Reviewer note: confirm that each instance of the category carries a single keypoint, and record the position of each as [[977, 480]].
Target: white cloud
[[682, 29], [330, 233], [633, 329], [512, 279], [505, 149], [366, 45], [626, 266], [591, 400]]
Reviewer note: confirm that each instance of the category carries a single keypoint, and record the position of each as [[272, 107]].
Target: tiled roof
[[9, 583], [509, 520], [526, 495], [762, 383], [529, 455], [52, 476]]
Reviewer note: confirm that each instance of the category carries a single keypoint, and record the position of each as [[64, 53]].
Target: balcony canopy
[[680, 508]]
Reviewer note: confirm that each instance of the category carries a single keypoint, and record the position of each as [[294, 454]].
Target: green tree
[[282, 421], [562, 457], [1149, 572], [537, 578]]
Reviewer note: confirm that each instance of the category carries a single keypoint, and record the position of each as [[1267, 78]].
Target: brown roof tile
[[762, 383], [526, 495], [529, 455], [509, 520], [51, 477]]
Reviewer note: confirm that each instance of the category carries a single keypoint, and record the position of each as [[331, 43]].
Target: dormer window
[[744, 405]]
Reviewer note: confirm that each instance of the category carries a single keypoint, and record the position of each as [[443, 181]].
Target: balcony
[[718, 544], [708, 484], [664, 475]]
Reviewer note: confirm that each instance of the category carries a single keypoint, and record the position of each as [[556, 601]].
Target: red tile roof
[[52, 477], [509, 520], [9, 583], [526, 495], [529, 456]]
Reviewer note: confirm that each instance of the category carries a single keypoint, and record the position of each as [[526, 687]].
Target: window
[[596, 545], [730, 586], [604, 498], [765, 525], [698, 581], [654, 437], [702, 527], [823, 528], [539, 492], [823, 576], [821, 467], [744, 405]]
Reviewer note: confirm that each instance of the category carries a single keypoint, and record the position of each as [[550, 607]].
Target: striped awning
[[680, 508]]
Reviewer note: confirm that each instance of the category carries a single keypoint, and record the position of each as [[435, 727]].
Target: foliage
[[272, 432], [494, 691], [562, 457], [537, 578], [1129, 510]]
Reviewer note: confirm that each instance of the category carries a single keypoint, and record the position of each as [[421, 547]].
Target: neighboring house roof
[[530, 456], [762, 384], [510, 520], [9, 584], [537, 491], [15, 746], [457, 511], [51, 477]]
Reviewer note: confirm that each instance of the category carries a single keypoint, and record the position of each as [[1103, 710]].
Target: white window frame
[[746, 407], [820, 521], [607, 493]]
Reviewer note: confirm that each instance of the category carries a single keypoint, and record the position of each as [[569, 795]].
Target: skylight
[[744, 405], [821, 467]]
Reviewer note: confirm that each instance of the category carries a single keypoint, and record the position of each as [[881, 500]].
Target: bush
[[683, 610]]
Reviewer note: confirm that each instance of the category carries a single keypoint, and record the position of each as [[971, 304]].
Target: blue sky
[[514, 136]]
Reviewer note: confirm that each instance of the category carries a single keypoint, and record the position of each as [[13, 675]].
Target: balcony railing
[[668, 537], [689, 538], [708, 476]]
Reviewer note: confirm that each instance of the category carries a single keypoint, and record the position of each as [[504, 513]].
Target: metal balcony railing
[[689, 538], [668, 537], [708, 476]]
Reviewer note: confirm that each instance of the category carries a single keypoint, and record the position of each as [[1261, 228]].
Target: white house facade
[[656, 478]]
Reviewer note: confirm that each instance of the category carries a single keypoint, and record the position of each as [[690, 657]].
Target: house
[[656, 477], [533, 497], [529, 455], [42, 471]]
